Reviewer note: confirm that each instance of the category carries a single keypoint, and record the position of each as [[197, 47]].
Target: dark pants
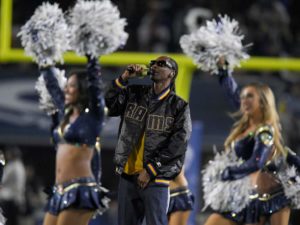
[[135, 203]]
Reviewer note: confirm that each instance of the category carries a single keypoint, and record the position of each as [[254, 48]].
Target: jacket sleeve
[[116, 97], [262, 150], [53, 88], [95, 86], [169, 161], [231, 88]]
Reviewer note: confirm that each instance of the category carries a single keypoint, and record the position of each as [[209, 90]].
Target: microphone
[[144, 72]]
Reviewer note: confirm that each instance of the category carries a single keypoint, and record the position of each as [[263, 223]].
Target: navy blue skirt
[[181, 199], [79, 193], [260, 205]]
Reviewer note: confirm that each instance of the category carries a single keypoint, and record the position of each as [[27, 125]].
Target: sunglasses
[[161, 63]]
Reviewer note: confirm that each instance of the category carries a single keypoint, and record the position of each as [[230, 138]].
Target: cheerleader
[[246, 183], [77, 105], [256, 139]]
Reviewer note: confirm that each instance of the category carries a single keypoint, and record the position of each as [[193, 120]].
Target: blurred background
[[153, 26]]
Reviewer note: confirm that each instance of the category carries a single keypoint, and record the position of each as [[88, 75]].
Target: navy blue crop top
[[84, 130], [244, 147], [255, 150], [87, 126]]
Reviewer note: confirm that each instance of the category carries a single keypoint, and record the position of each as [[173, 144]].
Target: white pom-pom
[[45, 35], [105, 200], [2, 218], [97, 28], [214, 40], [45, 99], [290, 181], [225, 196], [200, 48]]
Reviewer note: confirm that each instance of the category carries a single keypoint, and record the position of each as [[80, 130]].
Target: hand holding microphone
[[135, 70]]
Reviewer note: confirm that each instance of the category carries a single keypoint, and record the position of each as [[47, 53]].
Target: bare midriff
[[253, 177], [265, 182], [73, 162], [179, 181]]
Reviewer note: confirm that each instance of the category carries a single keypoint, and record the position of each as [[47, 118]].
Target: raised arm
[[56, 93], [262, 150], [230, 86], [116, 97], [96, 96], [117, 93]]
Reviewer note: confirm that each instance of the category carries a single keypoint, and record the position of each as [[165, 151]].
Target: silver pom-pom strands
[[104, 202], [2, 218], [290, 181], [45, 101], [199, 45], [97, 28], [45, 35], [214, 40], [225, 196]]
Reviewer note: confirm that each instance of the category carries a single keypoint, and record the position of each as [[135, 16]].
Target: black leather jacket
[[166, 123]]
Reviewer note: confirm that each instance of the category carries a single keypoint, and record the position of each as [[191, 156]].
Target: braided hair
[[175, 69]]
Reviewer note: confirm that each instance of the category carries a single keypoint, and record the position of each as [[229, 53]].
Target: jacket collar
[[161, 95]]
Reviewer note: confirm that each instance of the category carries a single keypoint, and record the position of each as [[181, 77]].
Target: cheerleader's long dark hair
[[83, 97]]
